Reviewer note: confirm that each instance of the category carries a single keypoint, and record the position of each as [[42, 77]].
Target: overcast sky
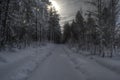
[[69, 9]]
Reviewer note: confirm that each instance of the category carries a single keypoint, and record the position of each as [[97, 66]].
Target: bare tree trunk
[[5, 22]]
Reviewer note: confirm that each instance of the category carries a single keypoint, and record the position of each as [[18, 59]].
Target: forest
[[59, 39], [23, 22], [97, 29]]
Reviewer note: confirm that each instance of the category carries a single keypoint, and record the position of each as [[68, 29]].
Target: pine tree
[[54, 26], [74, 32], [19, 19], [106, 14], [92, 33], [114, 15], [80, 26], [66, 33]]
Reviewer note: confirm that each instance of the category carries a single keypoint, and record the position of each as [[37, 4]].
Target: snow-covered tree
[[26, 21], [66, 32], [54, 26]]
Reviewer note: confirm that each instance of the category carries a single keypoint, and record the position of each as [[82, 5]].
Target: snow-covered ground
[[57, 67], [21, 63], [56, 62], [112, 64], [94, 67]]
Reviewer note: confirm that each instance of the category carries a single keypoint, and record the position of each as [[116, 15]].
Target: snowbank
[[109, 63], [20, 64], [93, 67]]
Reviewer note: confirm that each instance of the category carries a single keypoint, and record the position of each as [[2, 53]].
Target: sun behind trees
[[23, 22], [99, 32]]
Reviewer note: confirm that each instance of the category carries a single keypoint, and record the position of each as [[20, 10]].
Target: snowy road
[[59, 66], [56, 67], [55, 62]]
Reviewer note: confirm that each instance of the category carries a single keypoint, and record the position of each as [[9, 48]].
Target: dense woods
[[59, 40], [97, 30], [23, 22]]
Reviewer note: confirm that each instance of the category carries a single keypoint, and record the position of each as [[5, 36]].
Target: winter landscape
[[59, 39]]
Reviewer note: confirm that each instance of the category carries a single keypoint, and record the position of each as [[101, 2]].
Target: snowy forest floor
[[56, 62]]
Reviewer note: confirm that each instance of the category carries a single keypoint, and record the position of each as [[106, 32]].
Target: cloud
[[69, 9]]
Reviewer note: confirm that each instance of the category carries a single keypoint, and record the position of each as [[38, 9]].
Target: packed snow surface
[[56, 62]]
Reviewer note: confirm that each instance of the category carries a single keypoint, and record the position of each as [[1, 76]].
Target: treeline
[[97, 30], [23, 22]]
